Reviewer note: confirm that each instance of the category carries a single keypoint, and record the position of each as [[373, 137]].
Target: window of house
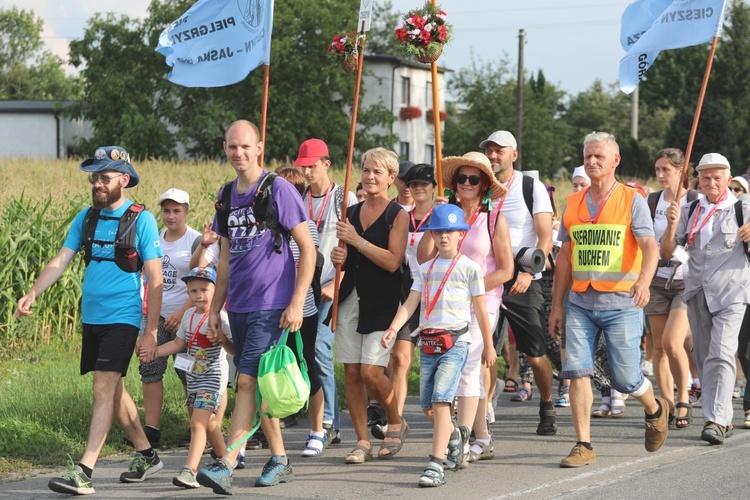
[[403, 151], [405, 91], [429, 154], [428, 96]]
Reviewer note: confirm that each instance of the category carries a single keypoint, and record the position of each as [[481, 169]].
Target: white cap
[[742, 182], [712, 160], [176, 195], [502, 138], [580, 172]]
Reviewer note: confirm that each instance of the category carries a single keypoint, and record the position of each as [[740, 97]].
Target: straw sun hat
[[452, 164]]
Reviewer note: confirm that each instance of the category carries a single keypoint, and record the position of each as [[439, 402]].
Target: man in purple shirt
[[264, 294]]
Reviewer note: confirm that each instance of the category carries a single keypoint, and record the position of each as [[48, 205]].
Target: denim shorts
[[252, 334], [622, 331], [439, 374]]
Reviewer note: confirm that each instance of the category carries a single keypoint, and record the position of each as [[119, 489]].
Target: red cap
[[638, 186], [310, 152]]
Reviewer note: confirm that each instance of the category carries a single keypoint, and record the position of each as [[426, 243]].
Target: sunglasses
[[736, 189], [105, 178], [473, 179]]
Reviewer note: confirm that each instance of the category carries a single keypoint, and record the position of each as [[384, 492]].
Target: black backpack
[[126, 254], [653, 200], [262, 209]]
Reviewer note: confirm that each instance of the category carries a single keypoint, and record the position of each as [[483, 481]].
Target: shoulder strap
[[390, 217], [740, 221], [263, 211], [653, 201], [527, 185], [692, 208], [222, 206]]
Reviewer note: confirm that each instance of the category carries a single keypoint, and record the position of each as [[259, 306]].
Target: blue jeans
[[324, 360], [622, 331], [439, 374]]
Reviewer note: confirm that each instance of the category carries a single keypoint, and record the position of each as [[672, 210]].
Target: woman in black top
[[375, 236]]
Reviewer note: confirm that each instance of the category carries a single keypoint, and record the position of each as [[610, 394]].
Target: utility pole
[[519, 99], [634, 115]]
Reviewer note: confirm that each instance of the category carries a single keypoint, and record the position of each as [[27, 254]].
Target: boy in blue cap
[[447, 287], [205, 364]]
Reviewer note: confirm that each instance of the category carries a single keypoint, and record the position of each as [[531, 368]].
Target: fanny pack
[[439, 340]]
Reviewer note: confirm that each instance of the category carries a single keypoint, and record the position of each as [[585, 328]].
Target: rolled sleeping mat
[[530, 260]]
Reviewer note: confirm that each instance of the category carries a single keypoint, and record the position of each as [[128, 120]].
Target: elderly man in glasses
[[120, 241]]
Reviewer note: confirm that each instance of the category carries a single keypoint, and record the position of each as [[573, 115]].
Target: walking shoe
[[73, 482], [152, 434], [578, 457], [564, 400], [656, 428], [480, 451], [523, 395], [490, 415], [647, 367], [694, 394], [375, 415], [737, 392], [432, 476], [336, 436], [329, 433], [746, 423], [288, 422], [378, 431], [240, 462], [274, 472], [455, 453], [140, 467], [185, 479], [216, 476], [258, 441]]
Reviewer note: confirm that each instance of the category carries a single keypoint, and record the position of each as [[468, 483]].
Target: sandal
[[432, 476], [510, 385], [523, 395], [359, 455], [393, 447], [618, 406], [682, 422], [604, 410], [714, 433], [313, 451], [547, 419]]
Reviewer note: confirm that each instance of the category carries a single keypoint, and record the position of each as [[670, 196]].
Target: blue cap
[[111, 158], [446, 218], [204, 273]]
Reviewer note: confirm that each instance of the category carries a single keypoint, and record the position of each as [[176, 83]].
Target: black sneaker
[[336, 436], [375, 415], [141, 467], [288, 422], [152, 434], [378, 431], [73, 482]]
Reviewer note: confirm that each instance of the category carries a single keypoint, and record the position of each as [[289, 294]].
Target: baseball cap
[[502, 138], [176, 195], [712, 160], [421, 172], [310, 152], [111, 158], [204, 273], [446, 217], [404, 167]]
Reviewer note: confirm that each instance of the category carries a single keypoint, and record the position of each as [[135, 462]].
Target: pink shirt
[[478, 247]]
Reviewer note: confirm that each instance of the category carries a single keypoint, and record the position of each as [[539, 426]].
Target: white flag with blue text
[[218, 42], [650, 26]]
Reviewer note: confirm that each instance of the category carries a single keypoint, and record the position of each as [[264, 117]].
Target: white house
[[405, 87], [38, 129]]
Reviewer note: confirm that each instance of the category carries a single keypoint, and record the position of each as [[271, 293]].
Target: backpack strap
[[653, 201], [740, 221], [527, 186], [223, 206], [263, 211]]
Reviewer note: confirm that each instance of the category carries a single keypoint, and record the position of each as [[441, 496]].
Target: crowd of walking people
[[443, 274]]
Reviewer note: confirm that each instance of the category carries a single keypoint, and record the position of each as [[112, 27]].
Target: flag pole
[[349, 160], [263, 111], [436, 124], [696, 117]]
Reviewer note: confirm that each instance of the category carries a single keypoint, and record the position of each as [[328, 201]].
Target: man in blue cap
[[120, 240]]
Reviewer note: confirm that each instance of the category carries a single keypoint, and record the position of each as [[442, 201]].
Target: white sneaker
[[647, 368], [491, 415]]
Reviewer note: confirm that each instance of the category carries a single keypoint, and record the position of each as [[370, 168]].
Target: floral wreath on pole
[[423, 32], [344, 49]]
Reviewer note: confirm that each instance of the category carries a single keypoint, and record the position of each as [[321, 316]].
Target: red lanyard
[[322, 209], [430, 306], [595, 218], [144, 307], [471, 223], [415, 225], [197, 330], [710, 214]]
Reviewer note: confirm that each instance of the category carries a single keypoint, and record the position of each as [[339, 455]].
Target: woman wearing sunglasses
[[473, 183], [739, 187]]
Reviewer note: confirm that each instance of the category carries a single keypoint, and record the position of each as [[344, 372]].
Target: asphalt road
[[525, 465]]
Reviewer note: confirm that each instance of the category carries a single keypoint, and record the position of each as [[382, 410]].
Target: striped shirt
[[211, 371]]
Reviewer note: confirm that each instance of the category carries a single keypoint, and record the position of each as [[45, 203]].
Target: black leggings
[[309, 331], [743, 353]]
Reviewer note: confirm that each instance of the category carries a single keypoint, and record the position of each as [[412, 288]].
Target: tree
[[381, 38], [27, 72]]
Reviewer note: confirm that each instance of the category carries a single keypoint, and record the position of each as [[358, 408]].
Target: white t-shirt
[[520, 221], [452, 310], [660, 227], [327, 228], [174, 265]]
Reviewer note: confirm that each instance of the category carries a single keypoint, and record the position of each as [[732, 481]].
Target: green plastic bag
[[283, 384]]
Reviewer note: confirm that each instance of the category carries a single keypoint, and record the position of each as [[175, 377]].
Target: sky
[[573, 42]]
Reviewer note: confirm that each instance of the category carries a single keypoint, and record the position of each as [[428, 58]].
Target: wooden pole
[[263, 111], [349, 161], [436, 123], [696, 117], [519, 99]]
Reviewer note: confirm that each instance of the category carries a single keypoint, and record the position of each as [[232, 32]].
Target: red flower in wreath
[[442, 33], [416, 21], [425, 37]]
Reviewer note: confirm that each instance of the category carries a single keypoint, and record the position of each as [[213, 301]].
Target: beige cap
[[177, 195], [712, 160]]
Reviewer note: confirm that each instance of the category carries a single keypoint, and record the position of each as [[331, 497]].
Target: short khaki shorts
[[662, 300]]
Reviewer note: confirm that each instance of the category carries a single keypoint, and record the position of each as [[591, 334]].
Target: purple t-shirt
[[259, 278]]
